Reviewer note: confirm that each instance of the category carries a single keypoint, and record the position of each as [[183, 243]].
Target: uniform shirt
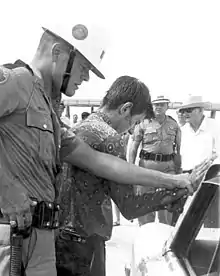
[[196, 146], [85, 198], [156, 137], [28, 132]]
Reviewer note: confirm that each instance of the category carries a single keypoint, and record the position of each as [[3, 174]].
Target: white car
[[191, 247]]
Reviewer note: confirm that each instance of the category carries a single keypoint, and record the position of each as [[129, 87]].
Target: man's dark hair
[[84, 115], [129, 89]]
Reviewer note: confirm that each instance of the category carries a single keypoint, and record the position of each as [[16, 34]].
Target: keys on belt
[[156, 156]]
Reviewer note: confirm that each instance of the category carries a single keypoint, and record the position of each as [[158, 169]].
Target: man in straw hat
[[200, 138], [200, 134], [160, 151]]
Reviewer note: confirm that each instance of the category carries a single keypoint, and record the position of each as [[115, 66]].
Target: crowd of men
[[173, 147], [57, 183]]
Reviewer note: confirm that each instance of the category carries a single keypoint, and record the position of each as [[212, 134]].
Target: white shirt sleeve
[[216, 142]]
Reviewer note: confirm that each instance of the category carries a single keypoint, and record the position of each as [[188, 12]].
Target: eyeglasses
[[187, 110]]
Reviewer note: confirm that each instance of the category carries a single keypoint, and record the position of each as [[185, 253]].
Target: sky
[[173, 46]]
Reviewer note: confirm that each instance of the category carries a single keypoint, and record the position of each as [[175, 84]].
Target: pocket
[[150, 136], [171, 132], [72, 255], [42, 125], [39, 120]]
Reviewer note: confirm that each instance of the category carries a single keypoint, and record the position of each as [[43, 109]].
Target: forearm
[[115, 169], [132, 154], [133, 206], [177, 163]]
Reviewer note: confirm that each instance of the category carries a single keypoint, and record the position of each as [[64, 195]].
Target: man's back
[[92, 205]]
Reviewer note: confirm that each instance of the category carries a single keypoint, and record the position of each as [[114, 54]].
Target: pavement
[[118, 249]]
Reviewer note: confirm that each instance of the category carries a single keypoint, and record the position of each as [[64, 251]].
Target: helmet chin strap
[[67, 74]]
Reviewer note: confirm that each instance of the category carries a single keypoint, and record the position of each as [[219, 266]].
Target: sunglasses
[[187, 110]]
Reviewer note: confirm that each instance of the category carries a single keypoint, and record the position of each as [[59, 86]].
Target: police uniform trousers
[[166, 167], [38, 252]]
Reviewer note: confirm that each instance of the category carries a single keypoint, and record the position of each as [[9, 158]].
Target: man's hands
[[176, 199], [17, 207], [192, 181]]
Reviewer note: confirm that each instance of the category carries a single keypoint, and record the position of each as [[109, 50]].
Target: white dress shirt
[[201, 144]]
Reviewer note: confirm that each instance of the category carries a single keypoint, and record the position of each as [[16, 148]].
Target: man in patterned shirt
[[86, 198]]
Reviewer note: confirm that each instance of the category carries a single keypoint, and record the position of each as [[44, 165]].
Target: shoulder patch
[[4, 75]]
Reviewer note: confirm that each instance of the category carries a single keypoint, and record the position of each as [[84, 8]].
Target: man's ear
[[125, 109], [56, 51]]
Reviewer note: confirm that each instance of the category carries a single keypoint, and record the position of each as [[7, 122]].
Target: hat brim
[[160, 101], [192, 105], [93, 68]]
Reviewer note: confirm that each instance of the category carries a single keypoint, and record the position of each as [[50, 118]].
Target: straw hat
[[193, 101]]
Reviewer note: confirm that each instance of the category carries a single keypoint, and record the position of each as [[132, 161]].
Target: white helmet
[[90, 41]]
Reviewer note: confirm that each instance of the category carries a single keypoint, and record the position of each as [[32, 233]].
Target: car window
[[204, 252]]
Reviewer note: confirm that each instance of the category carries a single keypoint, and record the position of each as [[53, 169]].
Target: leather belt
[[156, 156], [45, 215]]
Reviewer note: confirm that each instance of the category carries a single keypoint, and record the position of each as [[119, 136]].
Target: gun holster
[[46, 215]]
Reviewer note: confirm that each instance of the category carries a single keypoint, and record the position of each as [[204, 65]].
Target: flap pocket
[[171, 131], [40, 120]]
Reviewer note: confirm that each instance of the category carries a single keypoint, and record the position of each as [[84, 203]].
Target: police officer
[[30, 142], [160, 151]]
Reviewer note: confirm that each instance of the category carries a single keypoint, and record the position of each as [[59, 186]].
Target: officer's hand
[[18, 210]]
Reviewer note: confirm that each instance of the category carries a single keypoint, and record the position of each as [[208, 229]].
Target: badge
[[80, 32], [4, 74]]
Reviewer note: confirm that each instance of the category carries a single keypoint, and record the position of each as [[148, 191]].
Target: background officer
[[160, 141]]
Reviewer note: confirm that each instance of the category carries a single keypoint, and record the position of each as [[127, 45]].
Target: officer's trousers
[[167, 167], [38, 252]]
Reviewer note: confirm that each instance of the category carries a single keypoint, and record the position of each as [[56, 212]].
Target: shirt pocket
[[171, 133], [43, 136], [150, 136]]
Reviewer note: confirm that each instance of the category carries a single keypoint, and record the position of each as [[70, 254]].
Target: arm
[[177, 156], [216, 146], [78, 153], [133, 206], [9, 94], [135, 143]]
